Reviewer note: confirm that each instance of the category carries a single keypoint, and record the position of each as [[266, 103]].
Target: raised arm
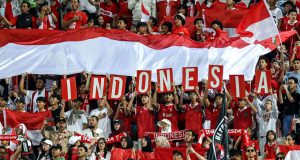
[[96, 4], [251, 105], [21, 84], [62, 111], [289, 96], [205, 97], [154, 99], [130, 104], [175, 95]]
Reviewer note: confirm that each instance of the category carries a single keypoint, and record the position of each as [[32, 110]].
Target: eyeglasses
[[250, 150], [279, 158]]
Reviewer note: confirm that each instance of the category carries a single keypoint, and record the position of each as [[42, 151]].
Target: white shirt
[[104, 123], [270, 124], [276, 14], [37, 94], [98, 133], [77, 125]]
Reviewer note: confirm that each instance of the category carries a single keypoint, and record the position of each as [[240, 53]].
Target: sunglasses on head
[[250, 150]]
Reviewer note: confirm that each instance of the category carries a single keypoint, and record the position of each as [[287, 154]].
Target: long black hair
[[148, 147], [105, 148]]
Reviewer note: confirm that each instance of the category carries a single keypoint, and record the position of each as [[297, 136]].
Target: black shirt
[[56, 114], [291, 108], [24, 21]]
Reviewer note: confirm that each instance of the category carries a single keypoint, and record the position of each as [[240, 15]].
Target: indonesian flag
[[258, 24], [145, 14], [291, 152], [115, 52], [33, 122]]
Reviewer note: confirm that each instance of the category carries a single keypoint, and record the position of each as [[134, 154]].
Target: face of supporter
[[169, 97], [206, 144], [229, 2], [24, 8], [54, 101], [2, 102], [292, 84], [290, 140], [100, 20], [144, 142], [296, 65], [61, 125], [101, 144], [182, 10], [121, 25], [287, 8], [101, 103], [177, 156], [130, 87], [124, 143], [157, 143], [218, 100], [262, 64], [2, 153], [77, 143], [164, 125], [74, 4], [52, 3], [143, 30], [272, 2], [215, 26], [39, 84], [46, 147], [188, 137], [293, 16], [40, 104], [81, 152], [145, 99], [133, 29], [275, 65], [77, 104], [250, 152], [177, 22], [20, 106], [268, 105], [117, 126], [44, 8], [2, 23], [242, 103], [199, 25], [164, 29], [93, 122], [271, 136], [56, 152], [193, 96]]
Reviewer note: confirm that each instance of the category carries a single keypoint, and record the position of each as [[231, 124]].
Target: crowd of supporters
[[270, 120]]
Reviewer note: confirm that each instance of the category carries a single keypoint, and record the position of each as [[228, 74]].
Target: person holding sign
[[169, 110], [144, 113], [194, 110]]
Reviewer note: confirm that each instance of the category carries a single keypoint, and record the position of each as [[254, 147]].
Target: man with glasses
[[280, 156], [251, 153]]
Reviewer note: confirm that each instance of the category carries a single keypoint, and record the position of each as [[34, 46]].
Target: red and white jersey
[[145, 120], [193, 117], [166, 8], [169, 112]]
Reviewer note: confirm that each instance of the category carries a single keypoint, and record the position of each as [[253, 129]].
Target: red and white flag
[[145, 14], [258, 24], [68, 88], [97, 87]]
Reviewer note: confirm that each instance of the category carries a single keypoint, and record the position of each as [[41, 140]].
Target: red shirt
[[125, 12], [107, 11], [169, 112], [86, 103], [193, 117], [271, 150], [212, 114], [181, 29], [77, 24], [242, 118], [126, 120], [145, 121], [166, 9]]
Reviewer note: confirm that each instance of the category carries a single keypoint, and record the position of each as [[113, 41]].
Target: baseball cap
[[159, 123], [117, 121], [48, 141], [74, 139]]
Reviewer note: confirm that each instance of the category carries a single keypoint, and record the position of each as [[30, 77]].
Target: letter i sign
[[68, 88]]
